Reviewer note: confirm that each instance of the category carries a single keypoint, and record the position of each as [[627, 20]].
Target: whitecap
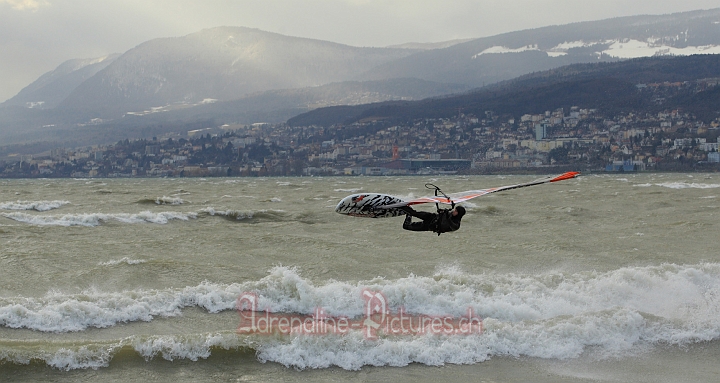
[[685, 185], [164, 200], [546, 315], [126, 260], [355, 190], [33, 205], [95, 219]]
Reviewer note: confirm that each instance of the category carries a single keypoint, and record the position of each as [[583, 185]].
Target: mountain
[[227, 63], [491, 59], [611, 87], [279, 105], [275, 106], [220, 64], [48, 91], [428, 46], [241, 75]]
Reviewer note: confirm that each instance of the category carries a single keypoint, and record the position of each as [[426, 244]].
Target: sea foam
[[686, 185], [97, 354], [165, 200], [123, 260], [33, 205], [549, 315], [95, 219]]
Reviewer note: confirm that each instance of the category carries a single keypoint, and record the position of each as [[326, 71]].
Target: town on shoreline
[[578, 138]]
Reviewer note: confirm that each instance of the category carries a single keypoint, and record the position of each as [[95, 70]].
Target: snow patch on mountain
[[629, 49], [617, 48], [502, 49]]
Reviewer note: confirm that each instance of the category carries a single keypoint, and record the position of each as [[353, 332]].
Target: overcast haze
[[37, 35]]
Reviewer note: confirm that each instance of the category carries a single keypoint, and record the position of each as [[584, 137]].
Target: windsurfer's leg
[[424, 215], [415, 226]]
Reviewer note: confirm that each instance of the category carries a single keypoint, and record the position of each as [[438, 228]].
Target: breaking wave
[[355, 190], [682, 185], [32, 205], [263, 215], [95, 219], [164, 200], [550, 315], [79, 355], [123, 260]]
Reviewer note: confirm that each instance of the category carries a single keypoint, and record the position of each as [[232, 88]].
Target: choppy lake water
[[599, 278]]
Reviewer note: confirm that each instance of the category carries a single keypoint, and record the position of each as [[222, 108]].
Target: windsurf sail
[[454, 198]]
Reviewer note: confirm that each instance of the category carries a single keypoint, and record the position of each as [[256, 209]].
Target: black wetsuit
[[441, 222]]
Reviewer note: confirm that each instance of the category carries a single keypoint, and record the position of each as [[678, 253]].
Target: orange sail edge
[[565, 176]]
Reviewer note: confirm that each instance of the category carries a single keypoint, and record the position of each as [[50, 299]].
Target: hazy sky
[[38, 35]]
